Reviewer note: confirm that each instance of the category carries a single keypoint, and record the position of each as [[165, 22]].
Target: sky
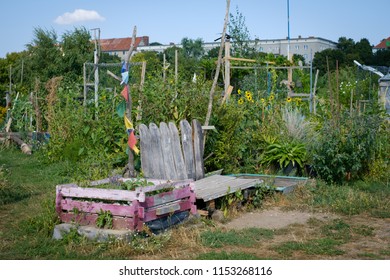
[[169, 21]]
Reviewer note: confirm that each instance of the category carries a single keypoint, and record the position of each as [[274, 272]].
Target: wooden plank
[[217, 186], [299, 94], [188, 148], [90, 220], [198, 149], [210, 181], [156, 152], [95, 207], [153, 214], [103, 194], [167, 152], [166, 197], [145, 151], [177, 153]]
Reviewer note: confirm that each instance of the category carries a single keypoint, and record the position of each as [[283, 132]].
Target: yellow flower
[[262, 100], [249, 98], [271, 97], [241, 101], [239, 91], [289, 99]]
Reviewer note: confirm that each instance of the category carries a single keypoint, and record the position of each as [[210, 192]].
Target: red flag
[[125, 93], [132, 140]]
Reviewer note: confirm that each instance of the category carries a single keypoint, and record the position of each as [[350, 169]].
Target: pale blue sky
[[171, 20]]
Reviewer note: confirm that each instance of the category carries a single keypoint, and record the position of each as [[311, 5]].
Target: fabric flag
[[124, 67], [132, 140], [125, 93], [125, 78], [128, 123]]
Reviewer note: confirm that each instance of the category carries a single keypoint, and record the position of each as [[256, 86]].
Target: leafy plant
[[231, 201], [285, 153], [104, 219]]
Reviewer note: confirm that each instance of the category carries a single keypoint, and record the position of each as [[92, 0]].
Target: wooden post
[[85, 84], [314, 93], [164, 68], [130, 165], [227, 66], [212, 90], [141, 88], [176, 66]]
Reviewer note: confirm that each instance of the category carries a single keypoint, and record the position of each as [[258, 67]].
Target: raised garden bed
[[105, 204]]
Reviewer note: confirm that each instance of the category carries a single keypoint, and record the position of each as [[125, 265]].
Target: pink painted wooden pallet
[[129, 209]]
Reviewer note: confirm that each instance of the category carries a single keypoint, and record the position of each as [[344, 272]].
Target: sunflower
[[271, 97], [249, 98], [248, 94], [289, 99], [262, 100], [239, 91], [241, 101]]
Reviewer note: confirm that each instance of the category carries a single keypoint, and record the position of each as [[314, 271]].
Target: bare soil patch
[[275, 218]]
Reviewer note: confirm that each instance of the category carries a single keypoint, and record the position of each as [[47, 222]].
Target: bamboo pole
[[212, 90]]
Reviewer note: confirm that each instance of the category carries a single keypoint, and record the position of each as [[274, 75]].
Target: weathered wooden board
[[146, 153], [156, 152], [177, 152], [166, 154], [284, 184], [95, 207], [188, 148], [167, 148], [197, 136], [72, 190], [88, 219], [216, 186]]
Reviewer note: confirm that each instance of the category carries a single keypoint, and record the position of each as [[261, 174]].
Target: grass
[[227, 256], [27, 219], [246, 237]]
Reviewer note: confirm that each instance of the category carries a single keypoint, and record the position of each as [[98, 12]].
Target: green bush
[[347, 149]]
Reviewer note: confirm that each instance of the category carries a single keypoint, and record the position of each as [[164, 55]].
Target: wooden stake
[[212, 90], [130, 164]]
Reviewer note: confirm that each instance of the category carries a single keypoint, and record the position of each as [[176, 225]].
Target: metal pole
[[288, 29]]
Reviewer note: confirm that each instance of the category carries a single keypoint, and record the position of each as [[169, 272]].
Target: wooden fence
[[168, 154]]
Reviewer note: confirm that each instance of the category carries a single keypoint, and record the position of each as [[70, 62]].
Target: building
[[120, 46], [383, 45], [306, 47]]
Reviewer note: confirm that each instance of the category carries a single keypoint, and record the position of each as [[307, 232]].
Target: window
[[297, 47], [305, 47]]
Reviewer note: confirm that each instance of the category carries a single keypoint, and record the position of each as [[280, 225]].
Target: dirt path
[[275, 218]]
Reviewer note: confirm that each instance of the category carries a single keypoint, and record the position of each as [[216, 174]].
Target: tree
[[193, 48], [321, 59], [76, 48], [381, 58], [240, 36], [44, 55], [364, 50]]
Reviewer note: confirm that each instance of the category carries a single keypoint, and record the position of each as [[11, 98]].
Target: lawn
[[360, 231]]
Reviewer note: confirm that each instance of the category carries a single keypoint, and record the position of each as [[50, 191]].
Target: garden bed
[[116, 208]]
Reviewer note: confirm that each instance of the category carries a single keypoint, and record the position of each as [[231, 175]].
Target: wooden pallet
[[216, 186], [129, 209]]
